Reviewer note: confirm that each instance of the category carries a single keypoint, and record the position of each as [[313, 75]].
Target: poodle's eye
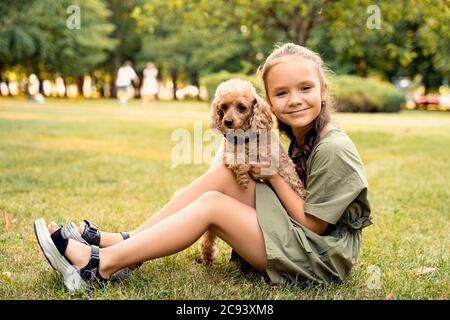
[[241, 107], [224, 107]]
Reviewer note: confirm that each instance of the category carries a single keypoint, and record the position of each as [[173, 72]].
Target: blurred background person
[[32, 89], [87, 86], [60, 86], [149, 88], [125, 76]]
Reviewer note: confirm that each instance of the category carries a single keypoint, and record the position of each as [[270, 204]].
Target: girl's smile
[[297, 112]]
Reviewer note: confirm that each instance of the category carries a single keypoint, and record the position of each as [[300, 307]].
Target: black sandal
[[90, 233], [54, 246], [92, 236], [90, 272]]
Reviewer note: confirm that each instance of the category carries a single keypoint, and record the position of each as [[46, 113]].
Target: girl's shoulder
[[333, 140], [336, 149]]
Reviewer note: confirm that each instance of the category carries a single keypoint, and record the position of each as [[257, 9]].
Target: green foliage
[[413, 39], [212, 81], [189, 39], [84, 49], [126, 34], [35, 34], [356, 94]]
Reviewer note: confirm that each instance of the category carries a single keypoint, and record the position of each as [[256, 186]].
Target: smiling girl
[[317, 238], [268, 224]]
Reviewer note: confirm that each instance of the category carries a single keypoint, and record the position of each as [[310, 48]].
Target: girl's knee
[[210, 203], [210, 198]]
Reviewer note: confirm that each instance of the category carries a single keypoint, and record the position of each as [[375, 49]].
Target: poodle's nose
[[228, 122]]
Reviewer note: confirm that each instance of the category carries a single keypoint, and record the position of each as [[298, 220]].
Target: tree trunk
[[30, 68], [361, 66], [304, 24], [196, 82], [2, 78], [174, 76], [117, 64], [431, 82], [80, 85], [112, 86], [117, 61]]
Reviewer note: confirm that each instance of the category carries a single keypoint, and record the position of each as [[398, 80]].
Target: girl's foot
[[78, 253]]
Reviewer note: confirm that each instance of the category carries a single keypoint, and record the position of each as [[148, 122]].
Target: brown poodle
[[243, 117]]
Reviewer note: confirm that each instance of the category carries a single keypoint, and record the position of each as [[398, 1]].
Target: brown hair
[[324, 117]]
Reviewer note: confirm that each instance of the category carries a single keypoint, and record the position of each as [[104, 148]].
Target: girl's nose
[[295, 99]]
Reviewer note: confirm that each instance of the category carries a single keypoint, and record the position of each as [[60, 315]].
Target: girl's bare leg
[[232, 220], [218, 178]]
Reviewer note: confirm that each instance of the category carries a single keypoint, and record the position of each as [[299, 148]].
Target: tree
[[188, 39], [413, 39], [125, 32], [35, 34], [79, 51]]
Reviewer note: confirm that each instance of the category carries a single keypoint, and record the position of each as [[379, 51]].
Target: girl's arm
[[294, 205]]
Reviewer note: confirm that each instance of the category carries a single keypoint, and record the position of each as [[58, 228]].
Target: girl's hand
[[262, 170]]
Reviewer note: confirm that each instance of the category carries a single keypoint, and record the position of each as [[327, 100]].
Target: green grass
[[68, 160]]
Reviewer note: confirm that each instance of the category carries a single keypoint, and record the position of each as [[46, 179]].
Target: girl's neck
[[300, 133]]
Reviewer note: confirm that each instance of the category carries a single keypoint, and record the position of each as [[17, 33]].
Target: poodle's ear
[[216, 119], [262, 115]]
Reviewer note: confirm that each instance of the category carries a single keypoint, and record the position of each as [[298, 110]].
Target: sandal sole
[[71, 278]]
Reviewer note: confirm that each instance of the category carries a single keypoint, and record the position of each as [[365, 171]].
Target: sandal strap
[[90, 272], [60, 241], [70, 231], [91, 233]]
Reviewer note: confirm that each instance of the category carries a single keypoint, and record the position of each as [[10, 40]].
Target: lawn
[[69, 160]]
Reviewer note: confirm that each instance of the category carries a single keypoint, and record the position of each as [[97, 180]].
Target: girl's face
[[294, 92]]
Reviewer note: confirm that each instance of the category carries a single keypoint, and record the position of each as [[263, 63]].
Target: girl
[[149, 88], [267, 224]]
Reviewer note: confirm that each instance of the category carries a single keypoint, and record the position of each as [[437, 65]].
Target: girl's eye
[[306, 88], [280, 93]]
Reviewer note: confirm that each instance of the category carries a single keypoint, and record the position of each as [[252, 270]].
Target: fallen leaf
[[8, 220], [7, 275], [424, 270], [32, 238], [390, 296]]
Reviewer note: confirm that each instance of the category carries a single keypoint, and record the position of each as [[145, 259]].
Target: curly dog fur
[[237, 105]]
